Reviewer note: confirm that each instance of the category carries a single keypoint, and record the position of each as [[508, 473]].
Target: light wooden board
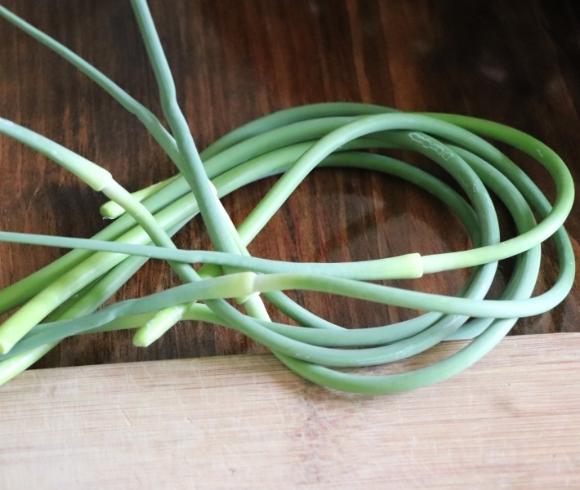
[[512, 421]]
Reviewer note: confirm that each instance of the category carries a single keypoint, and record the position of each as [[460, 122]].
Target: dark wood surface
[[515, 62]]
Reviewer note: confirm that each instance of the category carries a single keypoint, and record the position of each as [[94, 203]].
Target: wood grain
[[515, 62], [512, 421]]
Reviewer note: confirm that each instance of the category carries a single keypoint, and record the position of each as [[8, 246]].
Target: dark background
[[511, 61]]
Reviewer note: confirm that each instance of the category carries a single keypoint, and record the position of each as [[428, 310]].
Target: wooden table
[[515, 62]]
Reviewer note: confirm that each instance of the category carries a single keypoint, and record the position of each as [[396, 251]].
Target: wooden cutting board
[[512, 421]]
